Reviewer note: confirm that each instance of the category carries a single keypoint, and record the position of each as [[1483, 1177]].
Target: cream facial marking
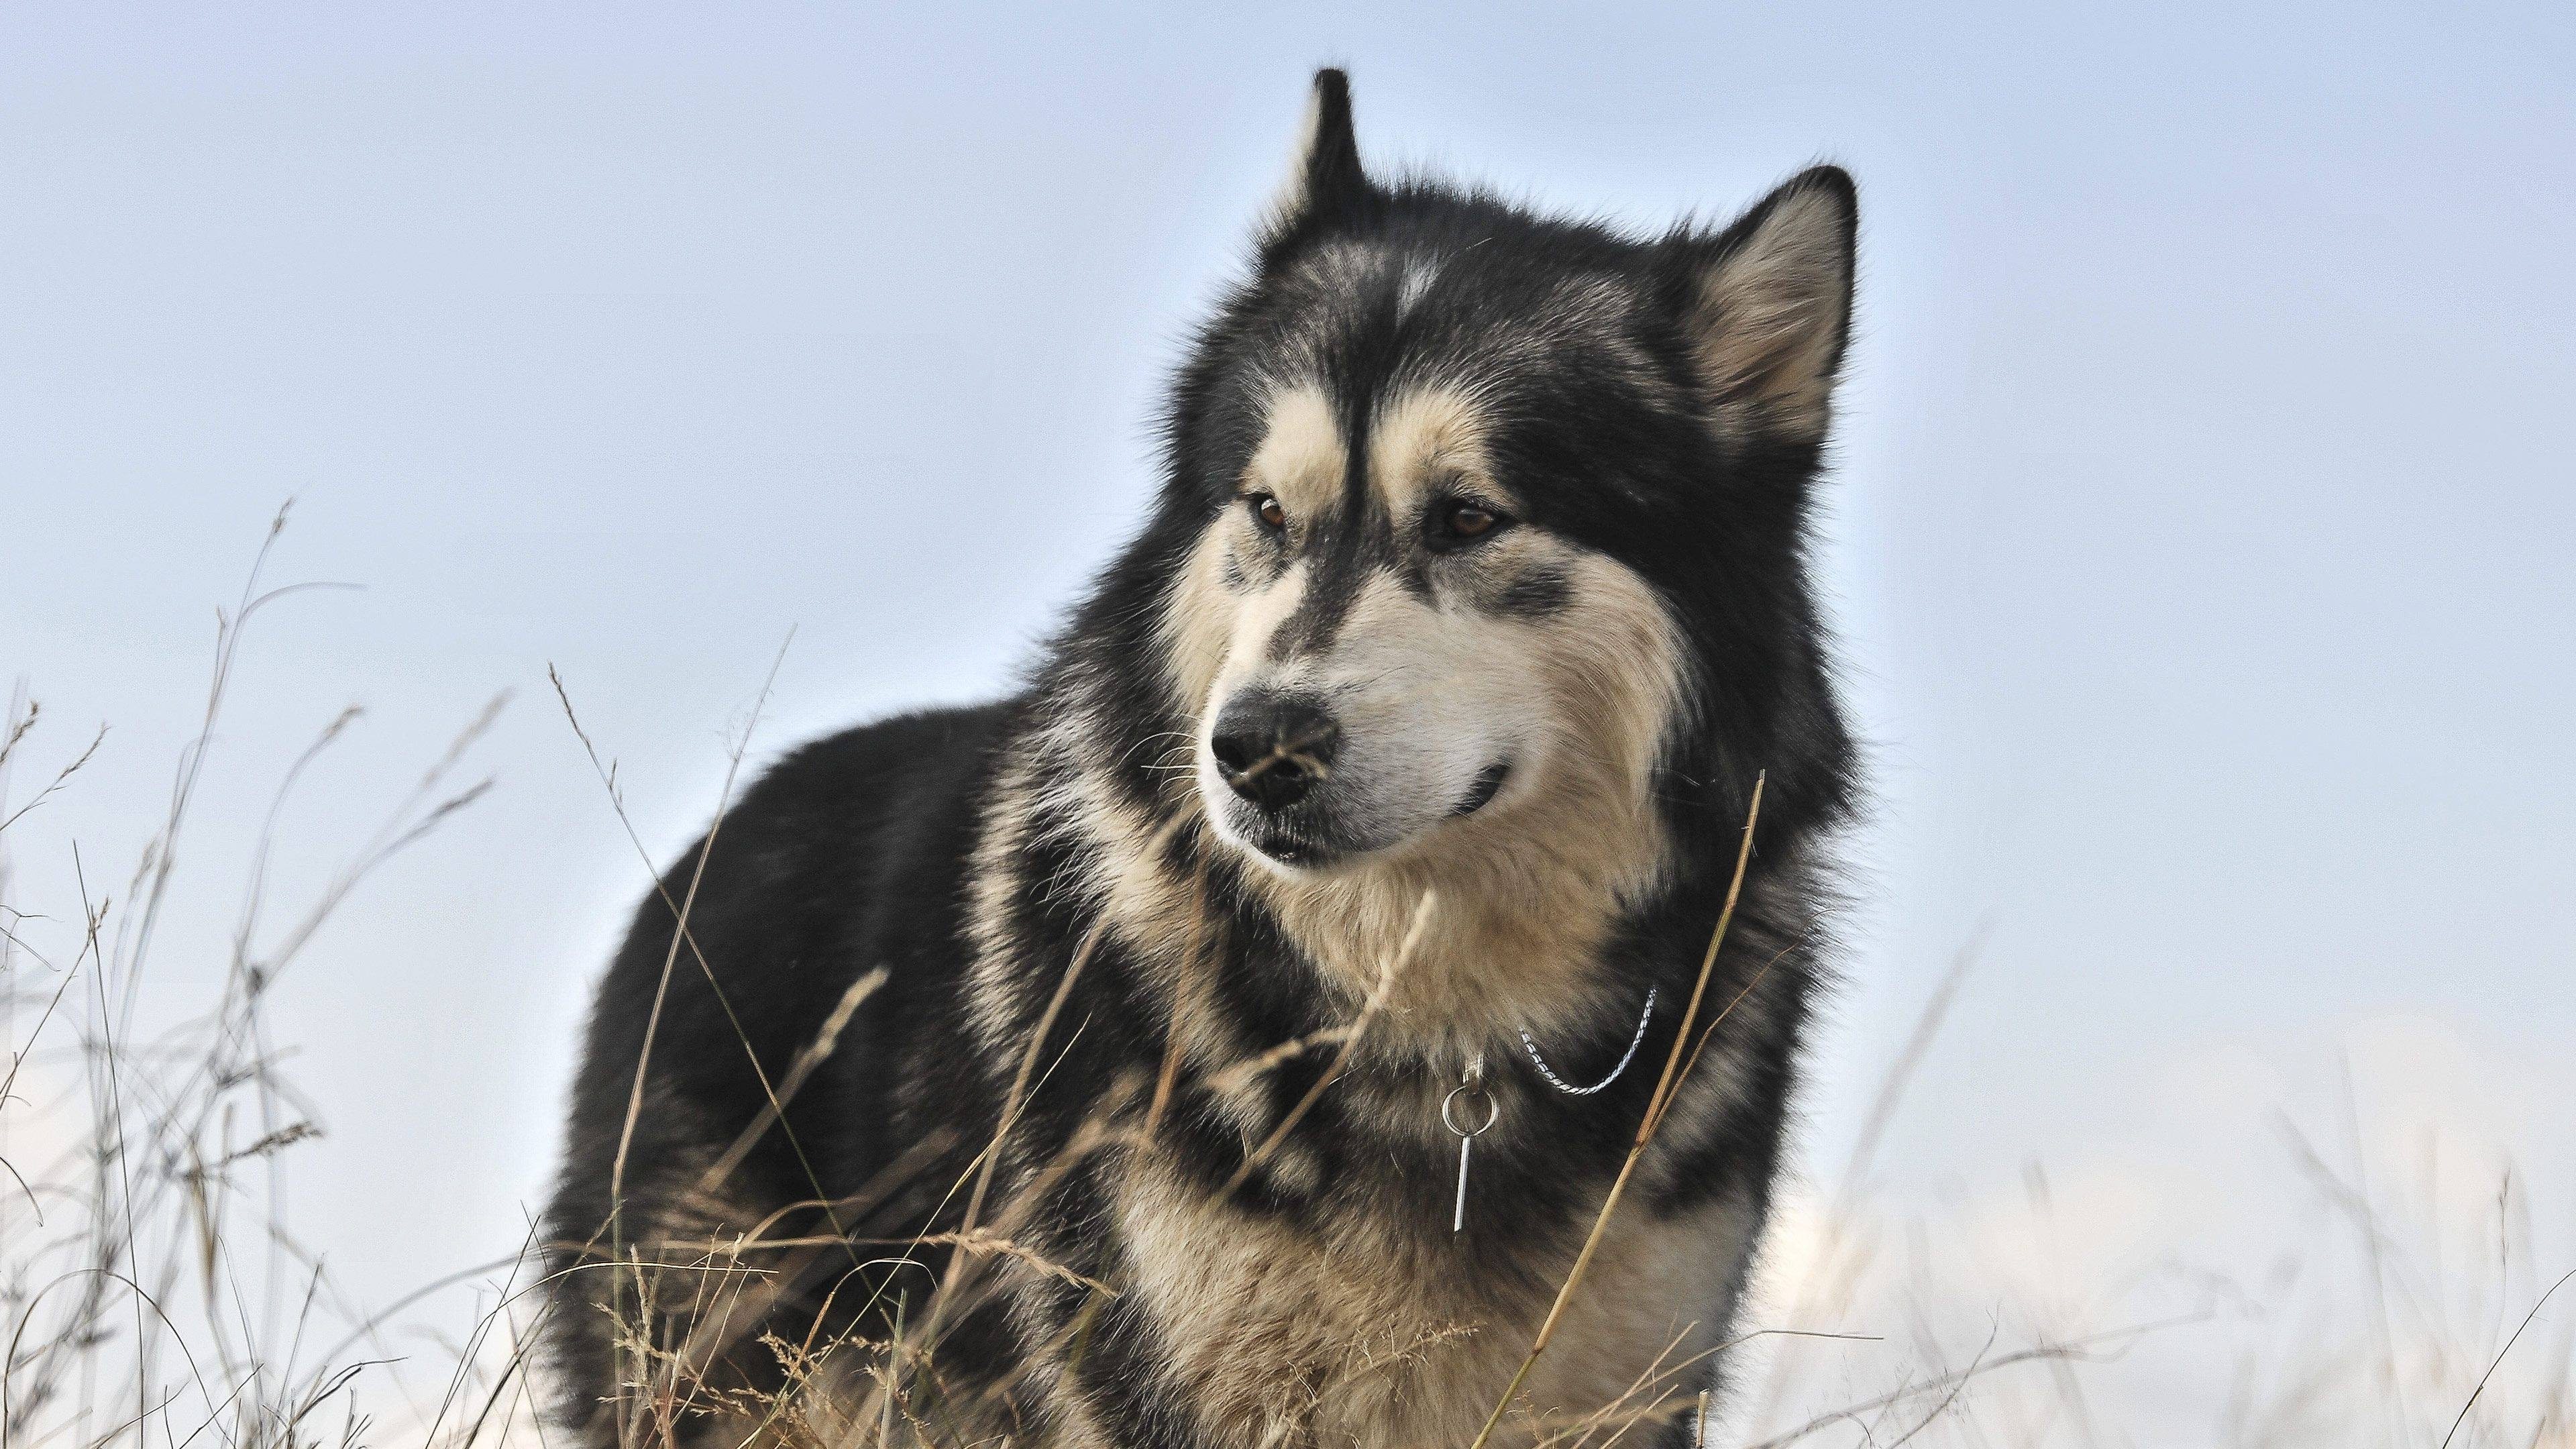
[[1418, 276], [1300, 460], [1428, 440]]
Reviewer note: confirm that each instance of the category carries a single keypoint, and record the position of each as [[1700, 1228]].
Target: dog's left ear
[[1768, 308], [1324, 180]]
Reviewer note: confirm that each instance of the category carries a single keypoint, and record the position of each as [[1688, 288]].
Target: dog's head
[[1486, 508]]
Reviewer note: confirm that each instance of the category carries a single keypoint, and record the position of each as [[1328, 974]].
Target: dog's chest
[[1355, 1331]]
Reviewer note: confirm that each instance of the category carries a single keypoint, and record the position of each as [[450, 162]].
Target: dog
[[1233, 1037]]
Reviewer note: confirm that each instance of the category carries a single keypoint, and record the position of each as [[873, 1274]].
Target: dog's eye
[[1267, 510], [1457, 522]]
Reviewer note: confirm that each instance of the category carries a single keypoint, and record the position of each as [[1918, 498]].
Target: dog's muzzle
[[1272, 749]]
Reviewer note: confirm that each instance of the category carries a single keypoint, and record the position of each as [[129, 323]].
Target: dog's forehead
[[1408, 363]]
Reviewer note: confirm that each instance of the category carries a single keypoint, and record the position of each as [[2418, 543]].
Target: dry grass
[[150, 1291]]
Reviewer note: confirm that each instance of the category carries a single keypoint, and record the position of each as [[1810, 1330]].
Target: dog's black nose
[[1273, 748]]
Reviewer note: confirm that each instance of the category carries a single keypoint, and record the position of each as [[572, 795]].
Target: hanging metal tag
[[1450, 1118]]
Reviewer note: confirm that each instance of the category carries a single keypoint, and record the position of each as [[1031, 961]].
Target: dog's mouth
[[1297, 849], [1302, 842], [1489, 783], [1303, 854]]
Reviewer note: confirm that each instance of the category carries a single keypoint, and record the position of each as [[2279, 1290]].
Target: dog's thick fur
[[1507, 516]]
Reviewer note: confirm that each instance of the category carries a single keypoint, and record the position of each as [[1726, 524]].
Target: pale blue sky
[[2201, 540]]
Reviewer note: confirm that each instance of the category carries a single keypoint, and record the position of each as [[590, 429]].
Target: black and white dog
[[1386, 789]]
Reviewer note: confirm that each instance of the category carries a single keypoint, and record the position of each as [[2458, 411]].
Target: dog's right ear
[[1324, 181]]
